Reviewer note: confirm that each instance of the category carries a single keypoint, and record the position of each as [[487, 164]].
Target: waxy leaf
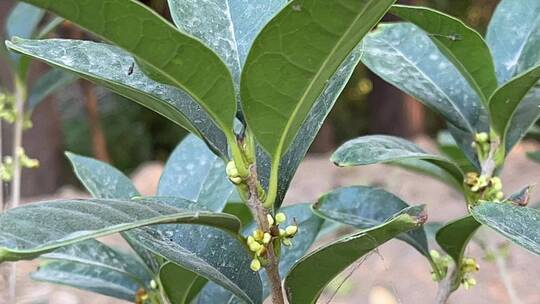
[[195, 173], [93, 266], [406, 57], [462, 45], [375, 149], [519, 224], [454, 238], [515, 50], [505, 101], [291, 61], [115, 69], [514, 45], [31, 230], [366, 207], [310, 275], [448, 146], [22, 22], [227, 27], [308, 227], [47, 84], [177, 282], [169, 55]]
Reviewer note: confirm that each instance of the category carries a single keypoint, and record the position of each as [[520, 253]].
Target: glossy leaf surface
[[110, 66], [462, 45], [31, 230], [313, 272], [519, 224], [168, 54]]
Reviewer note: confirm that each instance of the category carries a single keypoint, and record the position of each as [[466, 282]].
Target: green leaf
[[227, 27], [31, 230], [454, 238], [240, 210], [177, 282], [291, 61], [462, 45], [366, 207], [374, 149], [309, 226], [106, 182], [168, 54], [313, 272], [514, 45], [22, 22], [506, 100], [47, 84], [195, 173], [448, 145], [110, 66], [310, 127], [406, 57], [95, 267], [519, 224]]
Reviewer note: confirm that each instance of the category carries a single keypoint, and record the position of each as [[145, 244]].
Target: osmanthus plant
[[487, 92], [253, 81]]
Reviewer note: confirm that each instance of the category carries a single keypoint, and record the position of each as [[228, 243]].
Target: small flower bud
[[255, 265], [254, 247], [482, 137], [258, 234], [235, 180], [282, 232], [434, 254], [270, 220], [286, 242], [499, 196], [280, 218], [266, 238], [250, 240], [231, 168], [291, 230], [261, 251], [153, 284], [496, 183]]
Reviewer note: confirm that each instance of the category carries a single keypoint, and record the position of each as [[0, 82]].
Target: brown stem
[[99, 143], [445, 288], [260, 213]]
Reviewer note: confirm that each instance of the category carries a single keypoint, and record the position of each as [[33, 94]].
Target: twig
[[260, 213], [445, 288]]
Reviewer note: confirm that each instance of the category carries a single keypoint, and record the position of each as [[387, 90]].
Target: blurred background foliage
[[98, 123]]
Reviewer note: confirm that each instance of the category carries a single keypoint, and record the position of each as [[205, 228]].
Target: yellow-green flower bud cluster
[[232, 173], [7, 165], [442, 263], [259, 240], [484, 188], [481, 144], [8, 111], [468, 267]]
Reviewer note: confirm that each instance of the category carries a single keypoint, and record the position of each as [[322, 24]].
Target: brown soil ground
[[396, 273]]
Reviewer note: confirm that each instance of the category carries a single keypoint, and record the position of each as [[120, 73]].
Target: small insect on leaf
[[451, 37], [131, 68]]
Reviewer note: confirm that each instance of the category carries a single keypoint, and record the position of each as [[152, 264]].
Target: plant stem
[[20, 99], [445, 288], [261, 216]]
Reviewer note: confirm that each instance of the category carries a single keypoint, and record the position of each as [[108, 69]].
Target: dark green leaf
[[308, 225], [92, 266], [375, 149], [291, 61], [313, 272], [448, 145], [406, 57], [366, 207], [519, 224], [176, 282], [110, 66], [31, 230], [47, 84], [310, 127], [195, 173], [227, 27], [454, 238], [168, 54], [513, 37], [462, 45], [240, 210], [506, 100]]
